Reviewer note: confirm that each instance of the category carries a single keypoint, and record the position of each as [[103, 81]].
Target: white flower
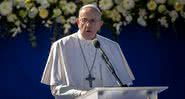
[[142, 12], [33, 12], [56, 12], [162, 8], [105, 4], [15, 31], [141, 21], [128, 18], [45, 3], [120, 9], [70, 8], [123, 11], [66, 28], [72, 19], [5, 8], [128, 4], [62, 4], [115, 15], [19, 3], [182, 14], [45, 24], [160, 1], [163, 22], [11, 18], [18, 23], [60, 19], [174, 15], [49, 22], [151, 16], [117, 26]]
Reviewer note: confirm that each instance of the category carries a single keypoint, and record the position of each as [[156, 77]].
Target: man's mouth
[[88, 31]]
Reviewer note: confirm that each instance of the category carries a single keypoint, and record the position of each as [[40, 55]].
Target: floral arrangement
[[17, 16]]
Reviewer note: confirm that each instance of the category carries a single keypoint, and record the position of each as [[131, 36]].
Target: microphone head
[[96, 43]]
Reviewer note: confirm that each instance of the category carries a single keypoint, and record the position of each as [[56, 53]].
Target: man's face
[[89, 22]]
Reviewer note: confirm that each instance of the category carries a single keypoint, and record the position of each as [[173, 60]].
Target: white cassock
[[67, 70]]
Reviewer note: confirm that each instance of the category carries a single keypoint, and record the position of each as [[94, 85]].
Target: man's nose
[[88, 23]]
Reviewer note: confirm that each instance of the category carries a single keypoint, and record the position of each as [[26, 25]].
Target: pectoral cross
[[90, 79]]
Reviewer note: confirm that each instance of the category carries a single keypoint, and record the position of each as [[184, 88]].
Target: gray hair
[[91, 6]]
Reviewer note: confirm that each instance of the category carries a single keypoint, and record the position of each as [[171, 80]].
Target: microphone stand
[[111, 69]]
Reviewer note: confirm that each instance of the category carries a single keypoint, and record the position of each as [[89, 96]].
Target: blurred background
[[154, 62]]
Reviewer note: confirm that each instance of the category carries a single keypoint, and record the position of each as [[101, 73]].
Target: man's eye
[[84, 20], [89, 21], [92, 21]]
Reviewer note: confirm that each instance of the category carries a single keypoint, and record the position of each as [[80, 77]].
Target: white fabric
[[66, 69]]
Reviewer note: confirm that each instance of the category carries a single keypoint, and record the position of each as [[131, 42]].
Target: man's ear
[[101, 23], [77, 21]]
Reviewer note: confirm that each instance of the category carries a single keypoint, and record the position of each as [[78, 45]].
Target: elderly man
[[75, 65]]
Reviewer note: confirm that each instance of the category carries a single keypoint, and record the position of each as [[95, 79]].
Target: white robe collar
[[83, 39]]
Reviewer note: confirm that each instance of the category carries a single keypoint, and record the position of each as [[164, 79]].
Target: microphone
[[96, 44]]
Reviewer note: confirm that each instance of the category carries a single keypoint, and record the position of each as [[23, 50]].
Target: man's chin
[[90, 37], [89, 32]]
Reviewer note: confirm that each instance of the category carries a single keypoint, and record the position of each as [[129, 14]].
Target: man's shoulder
[[107, 40], [66, 39]]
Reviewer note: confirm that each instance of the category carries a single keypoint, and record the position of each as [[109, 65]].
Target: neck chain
[[83, 54]]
